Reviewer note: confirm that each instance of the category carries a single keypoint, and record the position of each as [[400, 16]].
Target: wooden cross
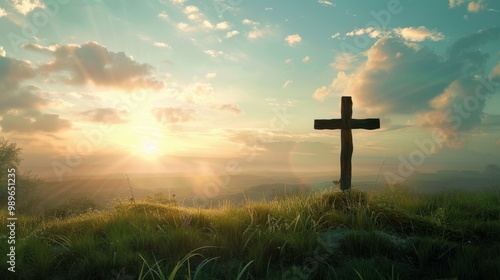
[[345, 124]]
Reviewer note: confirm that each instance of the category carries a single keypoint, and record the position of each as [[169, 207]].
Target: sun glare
[[149, 148]]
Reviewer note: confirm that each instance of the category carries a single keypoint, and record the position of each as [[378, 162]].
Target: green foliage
[[25, 182], [10, 155]]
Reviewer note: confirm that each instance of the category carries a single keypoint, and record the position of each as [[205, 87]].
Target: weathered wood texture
[[346, 124]]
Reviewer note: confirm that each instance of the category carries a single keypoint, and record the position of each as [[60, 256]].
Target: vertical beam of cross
[[346, 124], [347, 147]]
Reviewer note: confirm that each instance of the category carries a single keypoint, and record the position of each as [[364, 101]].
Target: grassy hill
[[394, 234]]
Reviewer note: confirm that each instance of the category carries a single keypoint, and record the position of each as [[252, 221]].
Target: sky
[[224, 87]]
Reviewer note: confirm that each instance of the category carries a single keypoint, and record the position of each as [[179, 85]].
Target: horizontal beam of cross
[[355, 124]]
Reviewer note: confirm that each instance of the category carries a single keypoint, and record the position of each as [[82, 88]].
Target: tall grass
[[394, 234]]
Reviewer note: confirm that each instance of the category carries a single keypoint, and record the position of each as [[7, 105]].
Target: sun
[[148, 148]]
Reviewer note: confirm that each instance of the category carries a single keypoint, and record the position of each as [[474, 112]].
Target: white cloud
[[249, 22], [306, 59], [293, 39], [371, 31], [2, 12], [419, 34], [193, 13], [321, 93], [161, 45], [191, 9], [256, 33], [287, 83], [183, 26], [207, 24], [178, 2], [412, 34], [476, 7], [163, 15], [232, 33], [268, 9], [213, 53], [472, 6], [455, 3], [222, 25], [326, 3], [2, 51], [336, 35], [210, 75], [26, 6], [288, 61]]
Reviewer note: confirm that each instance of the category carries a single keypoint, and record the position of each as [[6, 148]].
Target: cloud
[[191, 9], [372, 32], [411, 34], [33, 122], [345, 61], [231, 108], [207, 24], [26, 6], [288, 61], [105, 115], [92, 63], [232, 33], [197, 93], [85, 95], [20, 104], [472, 6], [455, 3], [321, 93], [222, 25], [178, 2], [467, 46], [326, 3], [293, 39], [213, 53], [172, 115], [306, 59], [183, 26], [476, 7], [249, 22], [2, 12], [210, 75], [419, 34], [163, 15], [336, 35], [287, 83], [455, 111], [399, 78], [13, 72], [256, 33], [161, 45]]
